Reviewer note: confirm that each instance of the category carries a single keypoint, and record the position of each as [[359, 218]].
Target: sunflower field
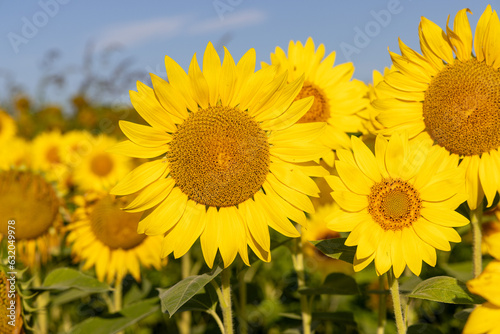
[[280, 197]]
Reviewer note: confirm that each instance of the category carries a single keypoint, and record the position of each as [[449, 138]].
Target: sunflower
[[47, 150], [15, 153], [399, 204], [30, 201], [451, 95], [106, 238], [7, 127], [484, 318], [315, 230], [228, 147], [98, 169], [338, 100]]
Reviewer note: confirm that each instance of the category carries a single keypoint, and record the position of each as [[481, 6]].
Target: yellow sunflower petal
[[492, 42], [170, 99], [410, 251], [437, 40], [431, 234], [346, 222], [350, 201], [461, 26], [353, 178], [444, 217], [211, 70], [144, 135], [397, 258], [130, 149], [199, 84], [383, 253], [180, 80], [151, 195], [149, 108], [365, 159], [140, 177], [480, 34], [484, 319], [209, 239]]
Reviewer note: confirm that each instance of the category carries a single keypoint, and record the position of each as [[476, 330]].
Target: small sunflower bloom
[[228, 151], [450, 94], [105, 237], [398, 204], [339, 100], [97, 169], [484, 318]]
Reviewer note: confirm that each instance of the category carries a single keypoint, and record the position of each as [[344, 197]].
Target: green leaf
[[67, 278], [336, 249], [334, 284], [116, 322], [200, 302], [445, 289], [423, 329], [176, 296], [68, 296]]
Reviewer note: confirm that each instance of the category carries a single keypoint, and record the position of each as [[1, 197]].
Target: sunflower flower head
[[105, 237], [398, 204], [338, 99], [450, 93], [227, 148]]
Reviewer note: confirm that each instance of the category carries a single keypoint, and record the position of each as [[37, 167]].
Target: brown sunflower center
[[394, 204], [30, 201], [219, 156], [101, 164], [52, 155], [320, 111], [114, 227], [462, 108]]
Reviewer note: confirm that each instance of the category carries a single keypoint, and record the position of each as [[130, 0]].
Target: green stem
[[242, 301], [382, 305], [42, 324], [227, 313], [396, 300], [298, 264], [476, 217], [217, 319], [117, 298], [184, 323]]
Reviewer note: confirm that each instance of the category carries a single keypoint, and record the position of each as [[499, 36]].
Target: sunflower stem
[[217, 319], [42, 324], [184, 323], [382, 305], [117, 297], [298, 264], [225, 303], [476, 217], [242, 289], [396, 300]]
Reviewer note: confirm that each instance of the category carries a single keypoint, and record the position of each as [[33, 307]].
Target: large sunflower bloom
[[105, 237], [399, 204], [452, 96], [338, 100], [228, 147]]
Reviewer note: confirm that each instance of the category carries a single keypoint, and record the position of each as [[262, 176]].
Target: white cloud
[[234, 20], [131, 34]]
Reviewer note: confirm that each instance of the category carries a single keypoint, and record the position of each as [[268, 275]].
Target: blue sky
[[359, 31]]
